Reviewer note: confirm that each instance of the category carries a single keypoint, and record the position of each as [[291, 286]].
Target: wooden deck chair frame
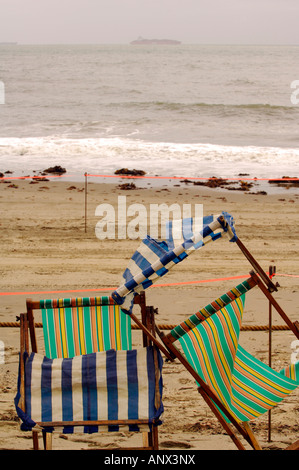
[[208, 395], [28, 335], [259, 278]]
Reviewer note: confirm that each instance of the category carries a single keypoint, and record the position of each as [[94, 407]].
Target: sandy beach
[[45, 248]]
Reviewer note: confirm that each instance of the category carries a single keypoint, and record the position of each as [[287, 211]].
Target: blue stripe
[[206, 232], [151, 383], [187, 228], [89, 390], [112, 391], [46, 389], [140, 261], [161, 272], [127, 275], [208, 219], [215, 236], [181, 257], [147, 283], [169, 235], [67, 395], [167, 258], [133, 393], [28, 371], [117, 298], [159, 248], [130, 285]]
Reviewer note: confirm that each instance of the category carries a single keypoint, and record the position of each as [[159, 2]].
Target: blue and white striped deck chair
[[153, 259]]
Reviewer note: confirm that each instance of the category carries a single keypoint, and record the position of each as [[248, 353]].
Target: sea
[[187, 111]]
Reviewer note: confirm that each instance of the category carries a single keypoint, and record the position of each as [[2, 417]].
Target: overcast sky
[[121, 21]]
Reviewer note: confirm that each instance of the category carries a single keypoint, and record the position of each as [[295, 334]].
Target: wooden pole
[[272, 271], [294, 327], [256, 266], [85, 202], [210, 398]]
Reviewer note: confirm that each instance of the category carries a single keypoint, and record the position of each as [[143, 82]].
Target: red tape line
[[151, 177], [105, 289], [192, 178]]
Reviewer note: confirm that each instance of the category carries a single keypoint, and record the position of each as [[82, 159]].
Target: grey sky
[[121, 21]]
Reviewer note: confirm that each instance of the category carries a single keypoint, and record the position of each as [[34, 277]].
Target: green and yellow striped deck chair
[[209, 341], [78, 326], [73, 327]]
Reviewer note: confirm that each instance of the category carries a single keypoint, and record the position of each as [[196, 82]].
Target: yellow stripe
[[235, 292], [207, 364], [292, 372], [220, 351], [255, 394], [262, 378], [220, 302], [231, 328], [243, 407], [189, 323]]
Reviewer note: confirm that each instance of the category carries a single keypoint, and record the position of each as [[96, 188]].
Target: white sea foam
[[105, 155]]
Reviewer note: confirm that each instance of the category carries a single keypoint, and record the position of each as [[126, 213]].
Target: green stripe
[[106, 327], [46, 332], [87, 330], [69, 332], [52, 339], [125, 328]]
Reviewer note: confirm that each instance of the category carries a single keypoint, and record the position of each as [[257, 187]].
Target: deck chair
[[89, 379], [237, 386]]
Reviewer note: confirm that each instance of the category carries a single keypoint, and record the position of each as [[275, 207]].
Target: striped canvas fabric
[[153, 259], [79, 326], [246, 386], [210, 309], [109, 385], [291, 371]]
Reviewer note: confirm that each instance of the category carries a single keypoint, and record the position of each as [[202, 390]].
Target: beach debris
[[39, 178], [126, 171], [214, 182], [8, 172], [186, 181], [125, 186], [57, 169], [290, 181], [244, 186]]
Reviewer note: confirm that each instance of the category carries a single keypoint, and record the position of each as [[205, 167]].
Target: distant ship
[[141, 40]]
